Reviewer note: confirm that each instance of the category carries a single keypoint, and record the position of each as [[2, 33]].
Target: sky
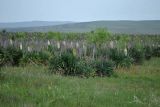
[[78, 10]]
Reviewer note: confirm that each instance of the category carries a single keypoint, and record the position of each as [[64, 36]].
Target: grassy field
[[31, 86]]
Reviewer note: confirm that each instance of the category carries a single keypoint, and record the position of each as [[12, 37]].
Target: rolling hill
[[31, 24], [131, 27]]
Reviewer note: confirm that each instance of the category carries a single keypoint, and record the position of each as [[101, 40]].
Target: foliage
[[4, 31], [137, 55], [2, 56], [103, 67], [123, 40], [12, 56], [119, 58], [33, 87], [39, 58], [64, 63], [126, 62], [54, 35], [20, 35], [148, 52], [102, 52], [85, 68], [99, 36], [68, 64], [156, 51], [44, 47]]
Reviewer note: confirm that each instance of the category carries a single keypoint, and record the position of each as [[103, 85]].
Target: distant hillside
[[133, 27], [32, 24]]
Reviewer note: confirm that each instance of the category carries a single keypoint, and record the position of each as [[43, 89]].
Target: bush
[[2, 57], [126, 62], [43, 57], [68, 64], [101, 52], [147, 52], [156, 52], [55, 65], [103, 68], [85, 69], [12, 56], [137, 55], [119, 58], [64, 64], [2, 76], [38, 58]]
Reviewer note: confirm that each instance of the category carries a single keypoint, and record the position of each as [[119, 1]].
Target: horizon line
[[76, 21]]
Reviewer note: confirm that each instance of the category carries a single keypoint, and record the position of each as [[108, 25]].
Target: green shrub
[[68, 64], [126, 62], [12, 56], [137, 55], [101, 52], [55, 65], [103, 68], [69, 61], [156, 52], [28, 57], [116, 56], [147, 52], [43, 57], [2, 57], [64, 63], [119, 58], [85, 69], [34, 57], [1, 75]]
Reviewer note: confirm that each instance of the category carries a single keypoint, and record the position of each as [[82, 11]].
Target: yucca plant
[[12, 55], [119, 58], [2, 57], [103, 67], [156, 51], [137, 54], [148, 52], [65, 62], [85, 69]]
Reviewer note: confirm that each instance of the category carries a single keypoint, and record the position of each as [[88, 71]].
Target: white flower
[[29, 49], [77, 44], [20, 46], [58, 45], [11, 42], [84, 47], [125, 51], [64, 43], [111, 44], [49, 43], [71, 44]]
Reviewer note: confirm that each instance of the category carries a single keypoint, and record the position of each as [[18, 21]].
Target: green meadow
[[34, 86]]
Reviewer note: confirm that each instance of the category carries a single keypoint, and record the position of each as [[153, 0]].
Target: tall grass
[[33, 86]]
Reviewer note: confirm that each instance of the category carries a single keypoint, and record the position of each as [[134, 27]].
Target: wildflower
[[111, 44], [20, 46], [11, 42], [125, 51], [77, 44], [48, 42], [64, 43], [71, 44], [58, 45], [29, 49]]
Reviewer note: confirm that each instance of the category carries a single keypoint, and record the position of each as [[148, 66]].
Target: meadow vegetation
[[91, 69], [33, 86]]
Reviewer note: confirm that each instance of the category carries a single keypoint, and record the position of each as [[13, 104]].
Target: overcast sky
[[78, 10]]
